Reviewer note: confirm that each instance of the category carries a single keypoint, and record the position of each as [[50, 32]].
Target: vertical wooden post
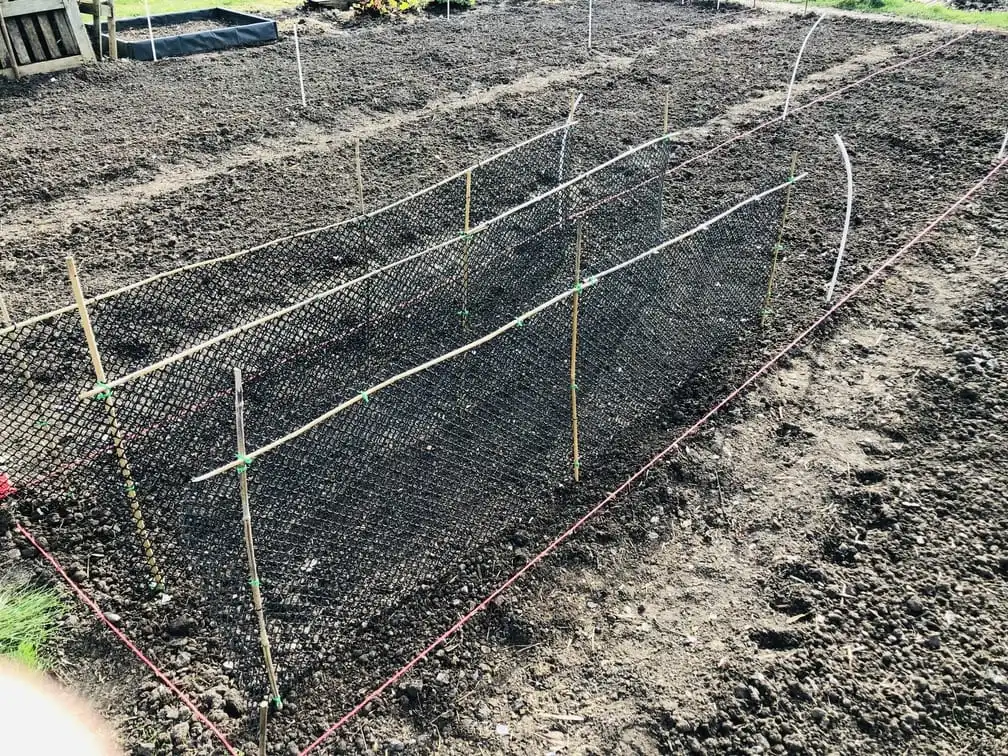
[[96, 17], [249, 543], [115, 431], [113, 45], [263, 717], [778, 246], [8, 44], [360, 175], [573, 351]]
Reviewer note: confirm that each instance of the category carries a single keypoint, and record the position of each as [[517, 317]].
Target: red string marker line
[[555, 543], [129, 644]]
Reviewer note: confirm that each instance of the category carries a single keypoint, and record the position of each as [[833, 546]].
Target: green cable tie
[[578, 287], [129, 487], [105, 392], [255, 583], [463, 313], [365, 397], [519, 322], [277, 701], [577, 463], [778, 247], [244, 463], [574, 387]]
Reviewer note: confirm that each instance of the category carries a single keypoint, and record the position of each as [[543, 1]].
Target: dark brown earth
[[821, 571]]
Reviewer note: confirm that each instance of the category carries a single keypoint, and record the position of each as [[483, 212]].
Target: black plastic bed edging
[[237, 30]]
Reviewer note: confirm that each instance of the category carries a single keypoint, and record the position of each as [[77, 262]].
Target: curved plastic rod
[[794, 73], [1004, 147], [150, 31], [563, 144], [846, 225]]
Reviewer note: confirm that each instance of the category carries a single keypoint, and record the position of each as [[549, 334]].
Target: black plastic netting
[[352, 516]]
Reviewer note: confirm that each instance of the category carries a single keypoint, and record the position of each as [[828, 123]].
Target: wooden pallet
[[41, 36]]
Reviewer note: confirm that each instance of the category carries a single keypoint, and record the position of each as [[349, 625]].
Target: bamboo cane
[[778, 245], [115, 431], [249, 543], [364, 396], [573, 352]]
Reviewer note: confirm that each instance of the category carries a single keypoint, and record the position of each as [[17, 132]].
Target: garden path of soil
[[801, 579]]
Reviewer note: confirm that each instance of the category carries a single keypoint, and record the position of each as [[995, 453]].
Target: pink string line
[[129, 644], [654, 461]]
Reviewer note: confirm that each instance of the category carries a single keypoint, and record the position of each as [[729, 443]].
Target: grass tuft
[[929, 11], [27, 619]]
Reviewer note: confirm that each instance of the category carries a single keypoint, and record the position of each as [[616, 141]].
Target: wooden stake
[[113, 44], [668, 94], [573, 352], [589, 25], [263, 716], [96, 17], [115, 431], [778, 246], [9, 44], [360, 175], [249, 543]]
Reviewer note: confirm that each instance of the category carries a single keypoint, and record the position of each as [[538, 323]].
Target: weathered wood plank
[[24, 7], [49, 36], [77, 25], [31, 37], [20, 51], [47, 66], [68, 39]]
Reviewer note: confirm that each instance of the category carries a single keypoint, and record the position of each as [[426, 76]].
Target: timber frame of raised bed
[[41, 36]]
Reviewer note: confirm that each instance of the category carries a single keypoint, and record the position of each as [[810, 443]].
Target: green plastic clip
[[105, 392], [365, 396], [244, 463]]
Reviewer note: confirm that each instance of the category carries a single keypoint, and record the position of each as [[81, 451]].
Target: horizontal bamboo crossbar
[[518, 321], [478, 229]]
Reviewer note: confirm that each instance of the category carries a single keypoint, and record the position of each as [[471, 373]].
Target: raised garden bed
[[191, 32]]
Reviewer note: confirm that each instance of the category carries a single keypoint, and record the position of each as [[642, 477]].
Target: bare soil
[[822, 570]]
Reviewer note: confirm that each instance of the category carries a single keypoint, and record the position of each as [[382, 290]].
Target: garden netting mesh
[[355, 514]]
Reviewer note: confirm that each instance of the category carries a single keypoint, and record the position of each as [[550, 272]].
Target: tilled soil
[[823, 571]]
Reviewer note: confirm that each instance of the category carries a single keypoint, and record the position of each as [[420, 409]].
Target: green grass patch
[[131, 8], [27, 619], [927, 11]]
